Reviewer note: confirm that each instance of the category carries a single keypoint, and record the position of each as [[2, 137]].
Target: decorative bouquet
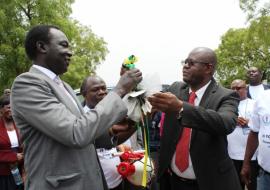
[[138, 109], [136, 101]]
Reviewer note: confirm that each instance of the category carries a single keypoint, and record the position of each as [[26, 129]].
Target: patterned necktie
[[182, 148]]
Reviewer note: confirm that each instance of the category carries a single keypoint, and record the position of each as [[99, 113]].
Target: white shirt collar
[[46, 71], [86, 109], [199, 93]]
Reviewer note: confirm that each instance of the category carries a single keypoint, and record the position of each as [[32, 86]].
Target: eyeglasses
[[191, 62], [238, 87]]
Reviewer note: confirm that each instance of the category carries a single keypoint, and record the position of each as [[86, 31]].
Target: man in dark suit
[[198, 116]]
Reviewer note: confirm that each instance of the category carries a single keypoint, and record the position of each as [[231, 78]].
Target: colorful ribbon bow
[[129, 63]]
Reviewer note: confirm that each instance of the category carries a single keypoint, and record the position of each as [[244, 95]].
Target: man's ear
[[210, 68], [41, 47]]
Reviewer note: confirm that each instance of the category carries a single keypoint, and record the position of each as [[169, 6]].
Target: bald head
[[240, 87], [199, 67], [93, 90], [206, 55]]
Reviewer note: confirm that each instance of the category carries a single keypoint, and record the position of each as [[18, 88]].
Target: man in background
[[237, 140], [94, 90], [255, 87]]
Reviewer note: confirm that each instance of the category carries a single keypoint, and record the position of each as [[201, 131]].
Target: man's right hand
[[128, 81], [242, 121]]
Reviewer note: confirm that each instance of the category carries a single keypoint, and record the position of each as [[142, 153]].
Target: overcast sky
[[160, 33]]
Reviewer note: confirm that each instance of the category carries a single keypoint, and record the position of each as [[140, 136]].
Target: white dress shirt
[[237, 140], [189, 172]]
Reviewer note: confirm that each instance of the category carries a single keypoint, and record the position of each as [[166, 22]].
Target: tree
[[231, 56], [255, 8], [243, 48], [18, 16]]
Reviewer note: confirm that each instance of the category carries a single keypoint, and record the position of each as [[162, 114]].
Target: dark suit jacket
[[211, 121], [265, 86]]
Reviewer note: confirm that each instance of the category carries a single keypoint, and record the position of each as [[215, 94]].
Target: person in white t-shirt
[[94, 90], [259, 137], [237, 140], [255, 87]]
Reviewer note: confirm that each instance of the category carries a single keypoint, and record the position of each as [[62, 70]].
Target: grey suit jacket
[[211, 122], [58, 137]]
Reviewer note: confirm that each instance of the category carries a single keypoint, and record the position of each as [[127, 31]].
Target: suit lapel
[[71, 92], [207, 94], [59, 94], [204, 103], [184, 93]]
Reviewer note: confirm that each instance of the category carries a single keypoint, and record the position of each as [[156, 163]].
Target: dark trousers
[[154, 184], [7, 183], [254, 173], [170, 181], [130, 186]]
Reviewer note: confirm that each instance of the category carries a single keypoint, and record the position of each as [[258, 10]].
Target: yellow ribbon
[[144, 178]]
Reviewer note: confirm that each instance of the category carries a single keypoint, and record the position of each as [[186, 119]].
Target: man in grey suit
[[198, 116], [58, 136]]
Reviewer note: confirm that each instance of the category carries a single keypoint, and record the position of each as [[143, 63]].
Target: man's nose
[[69, 53], [102, 91]]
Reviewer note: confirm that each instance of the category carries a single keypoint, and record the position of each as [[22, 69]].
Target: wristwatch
[[179, 114], [114, 138]]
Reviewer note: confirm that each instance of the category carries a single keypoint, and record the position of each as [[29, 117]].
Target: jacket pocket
[[55, 180]]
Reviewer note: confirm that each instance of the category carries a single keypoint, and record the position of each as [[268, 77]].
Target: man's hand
[[123, 130], [128, 81], [123, 148], [119, 128], [165, 102], [242, 121], [245, 173]]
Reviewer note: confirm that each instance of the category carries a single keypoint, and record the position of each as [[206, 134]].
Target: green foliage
[[243, 48], [255, 8], [18, 16]]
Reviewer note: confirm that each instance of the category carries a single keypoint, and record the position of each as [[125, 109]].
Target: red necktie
[[182, 148]]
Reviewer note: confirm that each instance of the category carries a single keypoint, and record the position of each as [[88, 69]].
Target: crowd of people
[[202, 136]]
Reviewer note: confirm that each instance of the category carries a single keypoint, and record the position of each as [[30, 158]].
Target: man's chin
[[186, 80], [9, 118]]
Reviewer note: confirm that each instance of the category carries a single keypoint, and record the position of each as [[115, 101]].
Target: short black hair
[[37, 33], [4, 100]]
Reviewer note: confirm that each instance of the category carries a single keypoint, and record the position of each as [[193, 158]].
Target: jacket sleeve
[[47, 112], [104, 141], [220, 119]]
